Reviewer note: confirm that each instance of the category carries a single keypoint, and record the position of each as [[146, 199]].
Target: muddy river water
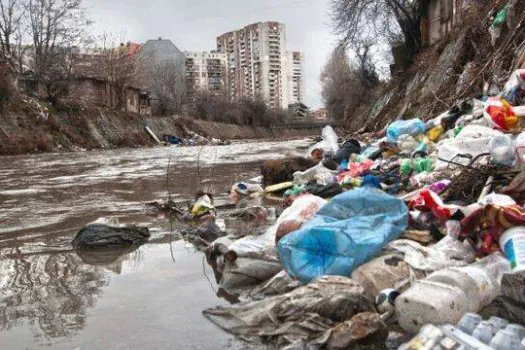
[[151, 298]]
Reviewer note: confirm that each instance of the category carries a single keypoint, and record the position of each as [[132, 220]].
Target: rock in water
[[104, 236]]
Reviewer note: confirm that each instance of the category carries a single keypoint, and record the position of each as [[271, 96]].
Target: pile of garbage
[[379, 239], [193, 139]]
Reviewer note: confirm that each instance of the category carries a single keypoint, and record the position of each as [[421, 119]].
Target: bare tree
[[11, 12], [381, 20], [336, 78], [346, 86], [57, 28], [117, 64], [166, 81]]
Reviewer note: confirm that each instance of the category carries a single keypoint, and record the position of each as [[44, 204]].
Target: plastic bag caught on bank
[[351, 229], [329, 144]]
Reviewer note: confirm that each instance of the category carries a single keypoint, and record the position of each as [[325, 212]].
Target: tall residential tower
[[259, 65]]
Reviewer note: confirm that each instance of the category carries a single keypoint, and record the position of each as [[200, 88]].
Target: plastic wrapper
[[405, 127], [360, 168], [502, 150], [471, 142], [303, 314], [435, 133], [499, 114], [351, 229], [446, 253], [302, 209], [514, 89], [319, 173], [203, 206], [329, 144]]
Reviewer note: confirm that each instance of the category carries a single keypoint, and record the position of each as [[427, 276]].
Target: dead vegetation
[[458, 67]]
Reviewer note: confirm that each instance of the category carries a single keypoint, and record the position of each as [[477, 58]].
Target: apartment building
[[259, 65], [205, 71], [295, 76]]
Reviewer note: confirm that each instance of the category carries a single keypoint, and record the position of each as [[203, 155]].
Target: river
[[151, 298]]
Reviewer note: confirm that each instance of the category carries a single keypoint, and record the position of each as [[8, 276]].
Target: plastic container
[[512, 242], [516, 329], [502, 150], [506, 340], [454, 291], [405, 127], [469, 322], [484, 332]]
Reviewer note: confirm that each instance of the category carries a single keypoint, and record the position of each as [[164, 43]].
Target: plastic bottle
[[405, 127], [512, 242], [406, 167], [454, 291], [423, 164], [502, 150]]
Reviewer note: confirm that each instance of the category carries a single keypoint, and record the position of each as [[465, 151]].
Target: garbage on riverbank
[[380, 239], [193, 139]]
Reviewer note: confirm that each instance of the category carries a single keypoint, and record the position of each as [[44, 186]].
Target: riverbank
[[34, 127]]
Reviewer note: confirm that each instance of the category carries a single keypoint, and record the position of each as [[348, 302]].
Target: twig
[[168, 179], [440, 100], [171, 239], [206, 275]]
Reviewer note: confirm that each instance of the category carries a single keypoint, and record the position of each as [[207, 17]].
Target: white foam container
[[512, 242]]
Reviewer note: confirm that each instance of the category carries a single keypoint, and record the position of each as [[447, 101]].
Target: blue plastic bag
[[347, 232], [405, 127]]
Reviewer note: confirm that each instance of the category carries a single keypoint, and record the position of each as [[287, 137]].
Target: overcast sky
[[193, 25]]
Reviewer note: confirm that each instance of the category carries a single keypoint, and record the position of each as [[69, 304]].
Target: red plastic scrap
[[484, 227]]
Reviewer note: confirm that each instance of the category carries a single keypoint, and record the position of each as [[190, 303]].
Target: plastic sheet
[[351, 229], [472, 141], [302, 314], [446, 253]]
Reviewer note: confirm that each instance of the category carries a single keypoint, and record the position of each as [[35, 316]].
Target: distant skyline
[[194, 25]]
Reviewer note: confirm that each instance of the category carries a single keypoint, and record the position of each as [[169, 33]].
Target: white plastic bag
[[302, 210], [473, 141], [329, 144]]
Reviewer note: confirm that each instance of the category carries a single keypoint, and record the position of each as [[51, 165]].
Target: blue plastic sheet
[[347, 232]]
